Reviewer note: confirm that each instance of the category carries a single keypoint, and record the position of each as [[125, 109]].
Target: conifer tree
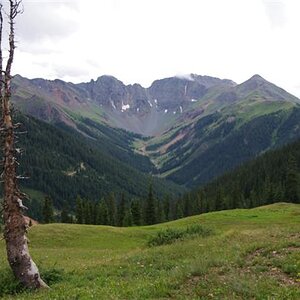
[[179, 209], [79, 210], [121, 210], [48, 214], [136, 212], [87, 212], [102, 213], [150, 216], [167, 208], [64, 215], [95, 213], [292, 181], [128, 218], [198, 204], [187, 205], [160, 212], [220, 199], [112, 210]]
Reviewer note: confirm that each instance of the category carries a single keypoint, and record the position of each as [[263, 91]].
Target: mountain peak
[[256, 81], [257, 77], [266, 90], [107, 78]]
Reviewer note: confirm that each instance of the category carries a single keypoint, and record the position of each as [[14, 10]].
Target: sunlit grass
[[253, 254]]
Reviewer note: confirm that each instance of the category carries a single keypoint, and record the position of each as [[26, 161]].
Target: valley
[[184, 130]]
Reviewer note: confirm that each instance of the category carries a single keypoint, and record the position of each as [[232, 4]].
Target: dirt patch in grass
[[250, 257], [295, 236], [261, 261], [281, 277]]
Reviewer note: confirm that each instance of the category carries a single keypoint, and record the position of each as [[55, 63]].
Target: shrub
[[199, 230], [171, 235], [167, 236]]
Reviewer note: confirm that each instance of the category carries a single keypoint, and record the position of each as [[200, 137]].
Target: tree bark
[[15, 227]]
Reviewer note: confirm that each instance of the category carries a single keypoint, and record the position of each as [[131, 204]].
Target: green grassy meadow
[[252, 254]]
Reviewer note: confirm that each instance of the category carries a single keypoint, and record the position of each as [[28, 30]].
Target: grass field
[[252, 254]]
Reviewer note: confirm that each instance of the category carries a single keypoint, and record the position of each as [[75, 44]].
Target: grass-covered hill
[[245, 254]]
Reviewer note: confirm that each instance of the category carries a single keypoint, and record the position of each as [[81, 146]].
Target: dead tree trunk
[[15, 228]]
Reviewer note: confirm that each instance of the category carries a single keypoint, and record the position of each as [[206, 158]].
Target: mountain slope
[[63, 164], [195, 152], [272, 177]]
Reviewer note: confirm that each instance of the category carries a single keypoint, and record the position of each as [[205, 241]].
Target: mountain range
[[187, 130]]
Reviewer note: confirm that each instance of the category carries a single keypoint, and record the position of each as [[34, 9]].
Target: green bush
[[167, 236], [170, 235], [199, 230]]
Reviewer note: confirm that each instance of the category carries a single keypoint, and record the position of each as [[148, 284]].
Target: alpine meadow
[[180, 186]]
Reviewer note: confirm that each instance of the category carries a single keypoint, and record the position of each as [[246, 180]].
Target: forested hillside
[[63, 164], [273, 177]]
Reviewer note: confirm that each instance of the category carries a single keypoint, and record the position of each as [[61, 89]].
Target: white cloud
[[185, 76], [140, 41], [47, 20], [276, 11]]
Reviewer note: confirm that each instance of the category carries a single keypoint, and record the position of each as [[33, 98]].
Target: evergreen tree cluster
[[119, 211], [114, 210], [272, 177]]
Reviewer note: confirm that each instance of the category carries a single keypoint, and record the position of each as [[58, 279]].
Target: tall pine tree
[[79, 210], [112, 210], [136, 211], [292, 181], [48, 214], [150, 216], [121, 210]]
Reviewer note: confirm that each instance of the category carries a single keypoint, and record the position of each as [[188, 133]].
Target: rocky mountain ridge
[[131, 107], [147, 111]]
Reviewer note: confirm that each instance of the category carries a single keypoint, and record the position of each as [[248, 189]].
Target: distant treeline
[[112, 210], [272, 177]]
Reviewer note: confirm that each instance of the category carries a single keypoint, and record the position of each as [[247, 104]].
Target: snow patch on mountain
[[113, 104], [125, 107]]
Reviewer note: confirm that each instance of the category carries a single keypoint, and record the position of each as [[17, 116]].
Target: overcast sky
[[143, 40]]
